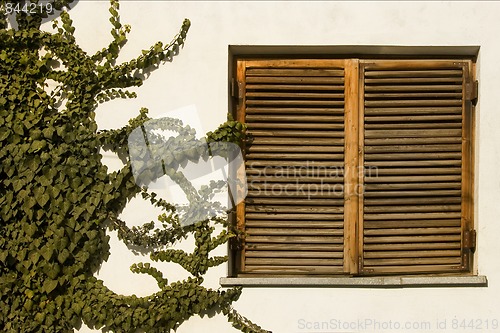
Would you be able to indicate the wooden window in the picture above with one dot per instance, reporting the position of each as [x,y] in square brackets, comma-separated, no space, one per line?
[356,166]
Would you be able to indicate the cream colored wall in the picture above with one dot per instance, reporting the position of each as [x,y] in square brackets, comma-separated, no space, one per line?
[198,76]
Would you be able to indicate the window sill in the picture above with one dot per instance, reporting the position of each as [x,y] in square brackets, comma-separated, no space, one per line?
[359,282]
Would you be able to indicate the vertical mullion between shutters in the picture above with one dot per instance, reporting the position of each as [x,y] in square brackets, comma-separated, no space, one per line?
[351,158]
[361,165]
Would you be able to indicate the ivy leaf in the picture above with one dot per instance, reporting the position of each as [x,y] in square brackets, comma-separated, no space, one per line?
[34,257]
[18,129]
[47,252]
[44,181]
[77,307]
[30,229]
[41,197]
[113,12]
[63,256]
[4,134]
[17,185]
[49,285]
[40,317]
[29,293]
[37,145]
[48,132]
[3,256]
[55,190]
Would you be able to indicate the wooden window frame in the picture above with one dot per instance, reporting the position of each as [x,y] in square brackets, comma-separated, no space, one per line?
[354,113]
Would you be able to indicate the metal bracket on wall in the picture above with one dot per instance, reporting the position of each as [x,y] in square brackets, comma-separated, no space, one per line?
[236,89]
[471,91]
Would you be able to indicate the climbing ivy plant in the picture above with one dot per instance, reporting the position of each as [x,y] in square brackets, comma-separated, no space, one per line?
[58,200]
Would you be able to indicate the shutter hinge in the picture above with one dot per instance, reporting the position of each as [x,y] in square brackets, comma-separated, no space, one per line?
[236,89]
[471,91]
[361,268]
[470,239]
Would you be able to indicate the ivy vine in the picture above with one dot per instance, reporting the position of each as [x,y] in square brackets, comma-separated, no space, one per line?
[58,200]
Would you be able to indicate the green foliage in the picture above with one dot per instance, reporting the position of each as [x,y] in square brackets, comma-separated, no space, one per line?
[230,131]
[57,199]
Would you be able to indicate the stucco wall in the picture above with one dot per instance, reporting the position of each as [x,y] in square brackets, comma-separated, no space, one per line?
[198,76]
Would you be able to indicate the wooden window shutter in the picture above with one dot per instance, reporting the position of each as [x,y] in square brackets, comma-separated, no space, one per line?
[293,217]
[417,162]
[356,167]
